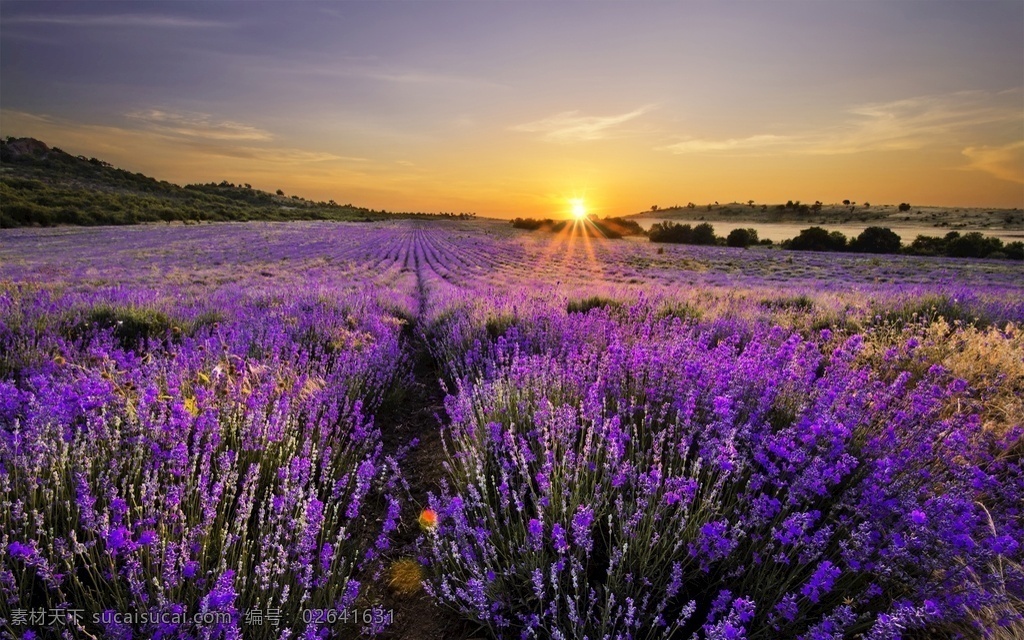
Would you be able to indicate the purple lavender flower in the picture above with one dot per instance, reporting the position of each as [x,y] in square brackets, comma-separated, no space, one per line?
[536,533]
[558,538]
[118,538]
[581,527]
[821,581]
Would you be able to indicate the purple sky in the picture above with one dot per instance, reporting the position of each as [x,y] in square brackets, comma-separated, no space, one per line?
[519,107]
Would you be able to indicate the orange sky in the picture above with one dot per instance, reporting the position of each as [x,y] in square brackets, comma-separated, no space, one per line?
[515,109]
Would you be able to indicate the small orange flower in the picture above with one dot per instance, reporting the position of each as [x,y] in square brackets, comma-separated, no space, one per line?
[428,519]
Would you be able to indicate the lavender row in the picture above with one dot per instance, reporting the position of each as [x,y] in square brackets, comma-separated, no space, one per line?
[166,455]
[620,472]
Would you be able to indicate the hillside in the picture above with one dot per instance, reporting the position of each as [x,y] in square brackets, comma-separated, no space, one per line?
[43,186]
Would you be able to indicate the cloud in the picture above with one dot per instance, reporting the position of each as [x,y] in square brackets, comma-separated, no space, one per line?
[1005,162]
[269,155]
[570,126]
[117,20]
[919,122]
[197,125]
[371,68]
[906,124]
[692,145]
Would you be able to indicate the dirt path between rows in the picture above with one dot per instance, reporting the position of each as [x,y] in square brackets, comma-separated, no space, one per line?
[411,431]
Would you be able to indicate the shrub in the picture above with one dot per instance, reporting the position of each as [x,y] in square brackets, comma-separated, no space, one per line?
[703,234]
[973,245]
[876,240]
[742,238]
[759,491]
[593,302]
[671,232]
[817,239]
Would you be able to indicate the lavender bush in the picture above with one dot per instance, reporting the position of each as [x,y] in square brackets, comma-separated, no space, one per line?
[616,475]
[222,467]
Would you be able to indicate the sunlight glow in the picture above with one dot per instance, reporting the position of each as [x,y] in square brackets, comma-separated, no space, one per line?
[579,208]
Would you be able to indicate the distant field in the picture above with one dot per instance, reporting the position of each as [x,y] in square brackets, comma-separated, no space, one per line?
[461,430]
[1005,224]
[971,218]
[779,231]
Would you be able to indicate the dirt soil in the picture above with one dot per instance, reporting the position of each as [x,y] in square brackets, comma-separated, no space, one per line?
[418,417]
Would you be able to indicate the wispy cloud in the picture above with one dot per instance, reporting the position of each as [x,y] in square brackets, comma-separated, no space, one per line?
[907,124]
[268,155]
[571,126]
[762,141]
[372,68]
[197,125]
[117,20]
[1005,162]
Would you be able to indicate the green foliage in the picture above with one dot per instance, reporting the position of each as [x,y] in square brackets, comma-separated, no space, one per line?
[970,245]
[792,303]
[593,302]
[973,245]
[132,326]
[742,238]
[817,239]
[496,326]
[928,309]
[670,232]
[622,226]
[702,234]
[876,240]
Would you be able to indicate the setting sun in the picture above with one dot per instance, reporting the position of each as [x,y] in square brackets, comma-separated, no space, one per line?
[579,209]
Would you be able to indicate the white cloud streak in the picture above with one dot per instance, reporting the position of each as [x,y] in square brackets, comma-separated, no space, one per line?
[197,125]
[571,126]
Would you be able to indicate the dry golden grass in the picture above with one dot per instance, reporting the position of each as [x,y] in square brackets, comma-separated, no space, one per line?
[991,361]
[405,577]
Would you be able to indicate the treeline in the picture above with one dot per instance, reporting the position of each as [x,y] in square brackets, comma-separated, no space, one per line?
[702,234]
[597,227]
[882,240]
[872,240]
[44,186]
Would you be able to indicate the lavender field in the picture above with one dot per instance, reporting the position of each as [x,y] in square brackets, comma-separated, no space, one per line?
[202,423]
